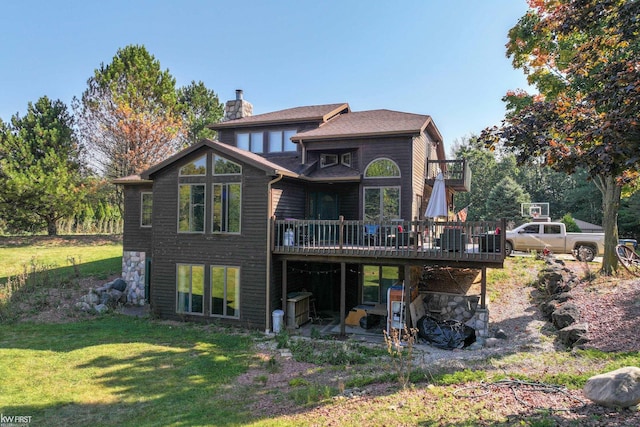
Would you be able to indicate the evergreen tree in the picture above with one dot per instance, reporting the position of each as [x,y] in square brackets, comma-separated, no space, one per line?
[505,199]
[200,107]
[40,168]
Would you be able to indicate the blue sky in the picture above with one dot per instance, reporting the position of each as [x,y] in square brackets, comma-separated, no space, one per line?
[442,58]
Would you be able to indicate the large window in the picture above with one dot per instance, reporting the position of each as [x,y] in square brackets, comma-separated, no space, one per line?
[190,289]
[281,141]
[191,208]
[146,206]
[225,291]
[381,203]
[226,207]
[250,141]
[376,282]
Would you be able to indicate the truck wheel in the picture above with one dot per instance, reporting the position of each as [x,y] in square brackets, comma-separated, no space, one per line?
[585,254]
[508,248]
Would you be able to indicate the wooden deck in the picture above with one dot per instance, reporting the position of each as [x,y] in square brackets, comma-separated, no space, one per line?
[473,244]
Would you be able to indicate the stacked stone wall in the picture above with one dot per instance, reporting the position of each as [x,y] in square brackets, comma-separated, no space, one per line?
[133,272]
[463,308]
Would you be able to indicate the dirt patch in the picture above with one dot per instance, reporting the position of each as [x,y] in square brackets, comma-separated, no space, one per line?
[610,307]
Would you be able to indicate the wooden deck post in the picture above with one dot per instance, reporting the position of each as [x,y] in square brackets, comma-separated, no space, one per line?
[407,294]
[284,285]
[343,294]
[483,288]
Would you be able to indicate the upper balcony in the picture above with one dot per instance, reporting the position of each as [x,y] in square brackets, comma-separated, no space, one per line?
[472,243]
[457,175]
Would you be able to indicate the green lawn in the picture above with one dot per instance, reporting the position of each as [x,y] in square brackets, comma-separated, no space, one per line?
[120,371]
[114,370]
[99,260]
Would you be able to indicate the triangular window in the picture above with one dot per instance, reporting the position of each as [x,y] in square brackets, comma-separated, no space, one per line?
[196,167]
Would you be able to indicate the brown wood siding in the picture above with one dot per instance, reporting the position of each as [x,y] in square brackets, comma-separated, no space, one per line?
[135,237]
[398,149]
[247,250]
[290,200]
[418,166]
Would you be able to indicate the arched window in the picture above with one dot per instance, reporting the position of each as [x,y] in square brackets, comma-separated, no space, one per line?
[382,168]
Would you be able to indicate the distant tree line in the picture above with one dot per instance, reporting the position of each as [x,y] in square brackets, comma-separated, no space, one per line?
[499,185]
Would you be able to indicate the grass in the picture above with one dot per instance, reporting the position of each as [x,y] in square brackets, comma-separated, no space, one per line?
[115,370]
[122,372]
[62,261]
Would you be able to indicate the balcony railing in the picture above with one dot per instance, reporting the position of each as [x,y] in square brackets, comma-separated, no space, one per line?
[457,174]
[474,241]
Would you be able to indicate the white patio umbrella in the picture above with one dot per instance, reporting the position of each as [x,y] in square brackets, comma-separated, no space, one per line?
[437,205]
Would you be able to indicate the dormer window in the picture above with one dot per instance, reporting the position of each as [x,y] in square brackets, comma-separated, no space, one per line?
[327,160]
[346,159]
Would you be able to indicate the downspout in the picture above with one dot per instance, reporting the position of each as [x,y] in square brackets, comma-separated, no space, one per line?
[304,152]
[268,280]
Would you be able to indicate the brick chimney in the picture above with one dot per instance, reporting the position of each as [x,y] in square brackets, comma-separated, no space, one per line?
[237,108]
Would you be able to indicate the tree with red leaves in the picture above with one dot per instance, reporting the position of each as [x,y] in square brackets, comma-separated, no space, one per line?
[583,57]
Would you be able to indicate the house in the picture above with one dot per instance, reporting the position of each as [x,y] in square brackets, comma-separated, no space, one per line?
[310,207]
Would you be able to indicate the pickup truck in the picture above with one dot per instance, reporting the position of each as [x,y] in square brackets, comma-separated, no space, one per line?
[536,236]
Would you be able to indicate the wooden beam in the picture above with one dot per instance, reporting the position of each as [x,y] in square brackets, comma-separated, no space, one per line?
[407,294]
[483,288]
[343,295]
[284,287]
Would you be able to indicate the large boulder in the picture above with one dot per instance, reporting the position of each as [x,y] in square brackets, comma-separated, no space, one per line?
[615,389]
[567,314]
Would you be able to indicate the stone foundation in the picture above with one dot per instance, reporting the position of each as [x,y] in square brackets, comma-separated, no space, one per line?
[133,272]
[463,308]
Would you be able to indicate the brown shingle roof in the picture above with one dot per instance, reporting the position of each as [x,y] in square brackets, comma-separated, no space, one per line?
[368,123]
[320,113]
[131,179]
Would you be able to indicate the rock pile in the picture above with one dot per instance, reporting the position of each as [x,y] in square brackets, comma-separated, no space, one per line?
[106,297]
[556,281]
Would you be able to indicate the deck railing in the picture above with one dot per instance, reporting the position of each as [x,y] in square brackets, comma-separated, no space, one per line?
[470,241]
[457,173]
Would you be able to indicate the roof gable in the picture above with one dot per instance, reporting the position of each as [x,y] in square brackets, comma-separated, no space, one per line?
[234,153]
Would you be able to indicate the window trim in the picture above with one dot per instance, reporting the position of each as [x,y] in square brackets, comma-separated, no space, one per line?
[225,299]
[345,159]
[180,174]
[213,167]
[142,210]
[204,206]
[213,208]
[177,307]
[324,157]
[383,176]
[381,201]
[251,147]
[284,141]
